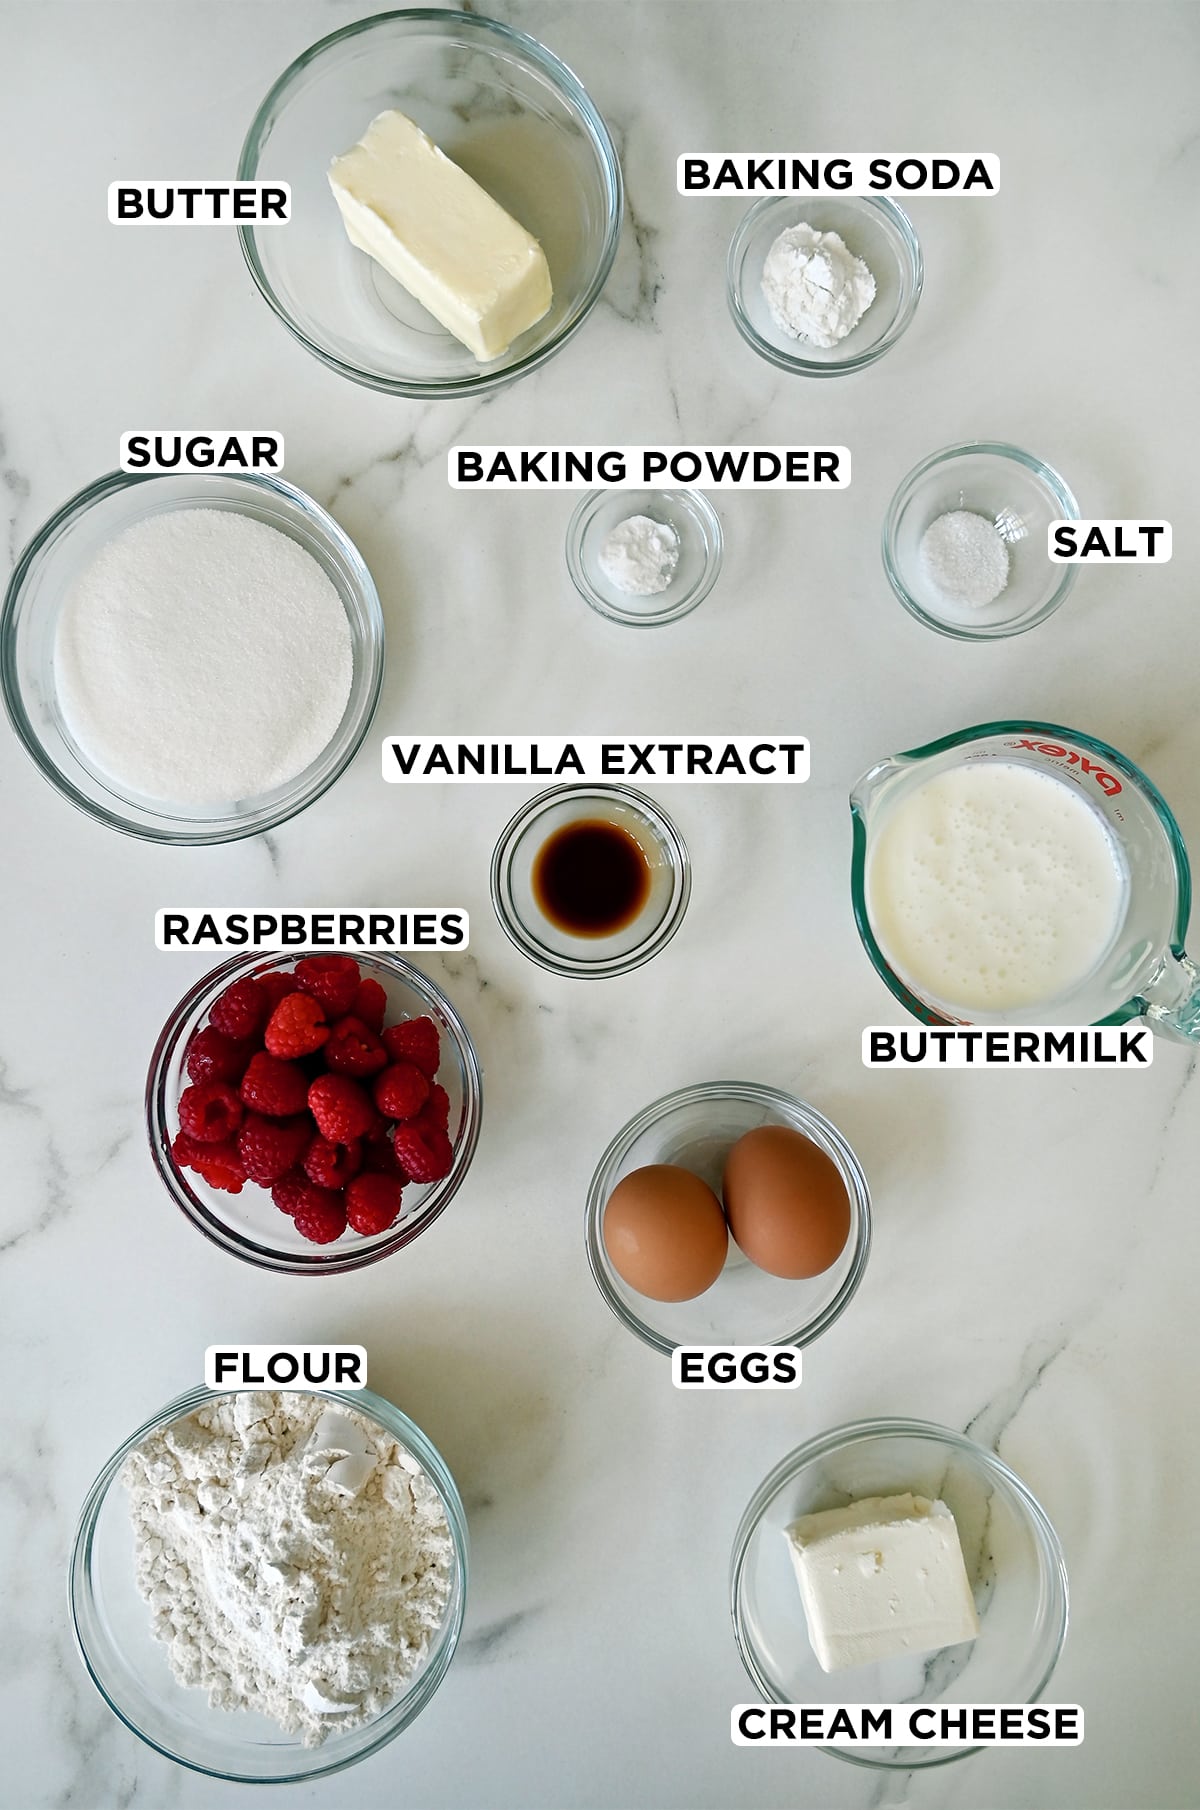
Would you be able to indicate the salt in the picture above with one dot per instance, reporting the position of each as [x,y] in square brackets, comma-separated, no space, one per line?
[203,658]
[964,558]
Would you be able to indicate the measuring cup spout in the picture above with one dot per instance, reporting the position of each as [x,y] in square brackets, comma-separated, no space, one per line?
[866,790]
[1173,998]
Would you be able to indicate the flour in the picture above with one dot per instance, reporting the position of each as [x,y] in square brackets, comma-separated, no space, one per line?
[203,658]
[297,1560]
[815,287]
[965,558]
[640,556]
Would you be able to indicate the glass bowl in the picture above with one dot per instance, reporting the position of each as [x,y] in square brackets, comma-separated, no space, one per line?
[44,577]
[745,1306]
[129,1667]
[590,957]
[1016,492]
[694,520]
[500,105]
[875,230]
[249,1225]
[1012,1555]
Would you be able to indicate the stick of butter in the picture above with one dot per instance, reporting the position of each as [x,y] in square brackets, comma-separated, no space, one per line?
[433,228]
[881,1577]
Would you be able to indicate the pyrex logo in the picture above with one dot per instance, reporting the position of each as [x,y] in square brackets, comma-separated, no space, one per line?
[1107,782]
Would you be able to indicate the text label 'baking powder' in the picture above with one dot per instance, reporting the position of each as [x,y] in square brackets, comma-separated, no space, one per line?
[649,467]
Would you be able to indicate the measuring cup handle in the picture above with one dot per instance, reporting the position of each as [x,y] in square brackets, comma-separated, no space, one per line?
[1173,999]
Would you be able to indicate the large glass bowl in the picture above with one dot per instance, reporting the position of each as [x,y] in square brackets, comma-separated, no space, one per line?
[44,577]
[503,108]
[696,1128]
[1012,1555]
[129,1666]
[249,1225]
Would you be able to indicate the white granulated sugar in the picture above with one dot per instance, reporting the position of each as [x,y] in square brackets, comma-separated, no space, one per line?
[964,558]
[814,286]
[640,556]
[202,658]
[296,1560]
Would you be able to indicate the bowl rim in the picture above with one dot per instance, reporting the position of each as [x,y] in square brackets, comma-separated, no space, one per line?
[571,967]
[398,1426]
[183,833]
[1045,474]
[326,1260]
[792,1109]
[711,532]
[796,363]
[857,1432]
[569,85]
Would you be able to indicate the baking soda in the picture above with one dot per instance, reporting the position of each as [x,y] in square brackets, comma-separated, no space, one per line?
[203,658]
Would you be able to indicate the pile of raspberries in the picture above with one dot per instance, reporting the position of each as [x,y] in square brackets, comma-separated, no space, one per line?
[299,1085]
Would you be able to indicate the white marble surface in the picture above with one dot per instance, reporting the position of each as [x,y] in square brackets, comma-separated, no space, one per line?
[1033,1276]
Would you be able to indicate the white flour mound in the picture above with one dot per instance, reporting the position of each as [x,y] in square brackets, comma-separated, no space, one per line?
[296,1560]
[202,658]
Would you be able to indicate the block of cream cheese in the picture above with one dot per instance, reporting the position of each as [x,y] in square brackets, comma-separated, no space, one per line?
[433,228]
[881,1577]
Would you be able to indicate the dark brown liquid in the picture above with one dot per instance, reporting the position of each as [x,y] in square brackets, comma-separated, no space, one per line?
[591,878]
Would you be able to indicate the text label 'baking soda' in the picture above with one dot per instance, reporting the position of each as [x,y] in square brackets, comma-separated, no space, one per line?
[737,759]
[198,203]
[232,449]
[396,927]
[907,1724]
[1028,1046]
[735,1367]
[285,1366]
[834,173]
[649,467]
[1073,543]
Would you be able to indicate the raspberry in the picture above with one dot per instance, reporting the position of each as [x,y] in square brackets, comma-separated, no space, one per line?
[241,1010]
[353,1049]
[275,1088]
[372,1203]
[415,1040]
[370,1005]
[322,1217]
[401,1090]
[220,1165]
[276,985]
[212,1056]
[209,1111]
[436,1110]
[379,1157]
[341,1108]
[427,1155]
[296,1027]
[331,1165]
[333,979]
[270,1147]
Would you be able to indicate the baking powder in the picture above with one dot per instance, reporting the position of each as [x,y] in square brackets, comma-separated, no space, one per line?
[640,556]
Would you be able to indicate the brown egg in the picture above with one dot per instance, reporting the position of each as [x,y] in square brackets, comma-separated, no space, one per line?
[665,1233]
[787,1206]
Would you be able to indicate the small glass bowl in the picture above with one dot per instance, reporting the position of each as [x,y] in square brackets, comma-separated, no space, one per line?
[694,520]
[43,580]
[249,1225]
[1016,492]
[1013,1560]
[501,106]
[696,1128]
[875,230]
[590,957]
[129,1667]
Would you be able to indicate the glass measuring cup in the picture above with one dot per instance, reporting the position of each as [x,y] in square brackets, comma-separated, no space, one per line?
[1144,972]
